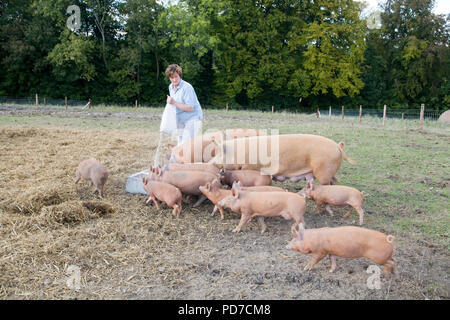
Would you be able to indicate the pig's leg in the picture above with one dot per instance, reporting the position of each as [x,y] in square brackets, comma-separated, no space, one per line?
[348,212]
[333,263]
[244,220]
[200,201]
[77,177]
[297,223]
[175,211]
[156,202]
[334,180]
[186,199]
[327,207]
[318,207]
[316,257]
[179,207]
[262,224]
[214,211]
[389,267]
[361,215]
[101,193]
[279,178]
[221,213]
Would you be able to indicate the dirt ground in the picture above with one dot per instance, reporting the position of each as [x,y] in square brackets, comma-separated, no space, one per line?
[132,251]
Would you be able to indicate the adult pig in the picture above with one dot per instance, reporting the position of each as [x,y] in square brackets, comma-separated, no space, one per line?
[202,149]
[289,156]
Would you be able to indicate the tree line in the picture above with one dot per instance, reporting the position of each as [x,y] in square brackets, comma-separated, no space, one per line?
[289,53]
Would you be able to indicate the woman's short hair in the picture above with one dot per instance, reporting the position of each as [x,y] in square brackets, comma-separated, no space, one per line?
[174,68]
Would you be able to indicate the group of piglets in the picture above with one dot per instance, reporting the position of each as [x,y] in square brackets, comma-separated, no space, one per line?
[252,195]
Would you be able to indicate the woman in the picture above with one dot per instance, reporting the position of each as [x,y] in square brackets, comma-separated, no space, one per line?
[189,111]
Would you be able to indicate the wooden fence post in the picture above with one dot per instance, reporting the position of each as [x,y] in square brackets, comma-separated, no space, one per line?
[318,113]
[342,112]
[37,102]
[422,109]
[135,104]
[360,113]
[329,113]
[384,114]
[226,107]
[45,101]
[65,100]
[89,103]
[403,115]
[272,109]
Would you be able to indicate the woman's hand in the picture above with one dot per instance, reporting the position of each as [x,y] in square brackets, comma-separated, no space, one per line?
[170,100]
[179,105]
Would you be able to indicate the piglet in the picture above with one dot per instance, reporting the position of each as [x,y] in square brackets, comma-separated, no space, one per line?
[215,193]
[346,242]
[335,195]
[265,204]
[94,172]
[246,177]
[164,192]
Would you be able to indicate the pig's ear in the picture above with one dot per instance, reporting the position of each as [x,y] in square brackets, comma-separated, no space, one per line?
[220,146]
[298,235]
[208,186]
[157,171]
[170,146]
[144,180]
[151,169]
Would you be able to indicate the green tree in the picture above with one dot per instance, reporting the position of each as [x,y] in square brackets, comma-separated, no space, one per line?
[416,43]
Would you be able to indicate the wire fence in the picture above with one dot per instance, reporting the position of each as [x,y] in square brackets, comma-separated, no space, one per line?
[411,114]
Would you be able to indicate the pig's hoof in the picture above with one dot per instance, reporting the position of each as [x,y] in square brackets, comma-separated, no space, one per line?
[235,230]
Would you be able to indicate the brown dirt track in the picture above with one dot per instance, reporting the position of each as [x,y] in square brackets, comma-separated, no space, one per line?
[127,250]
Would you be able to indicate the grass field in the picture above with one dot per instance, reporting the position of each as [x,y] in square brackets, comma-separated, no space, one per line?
[130,250]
